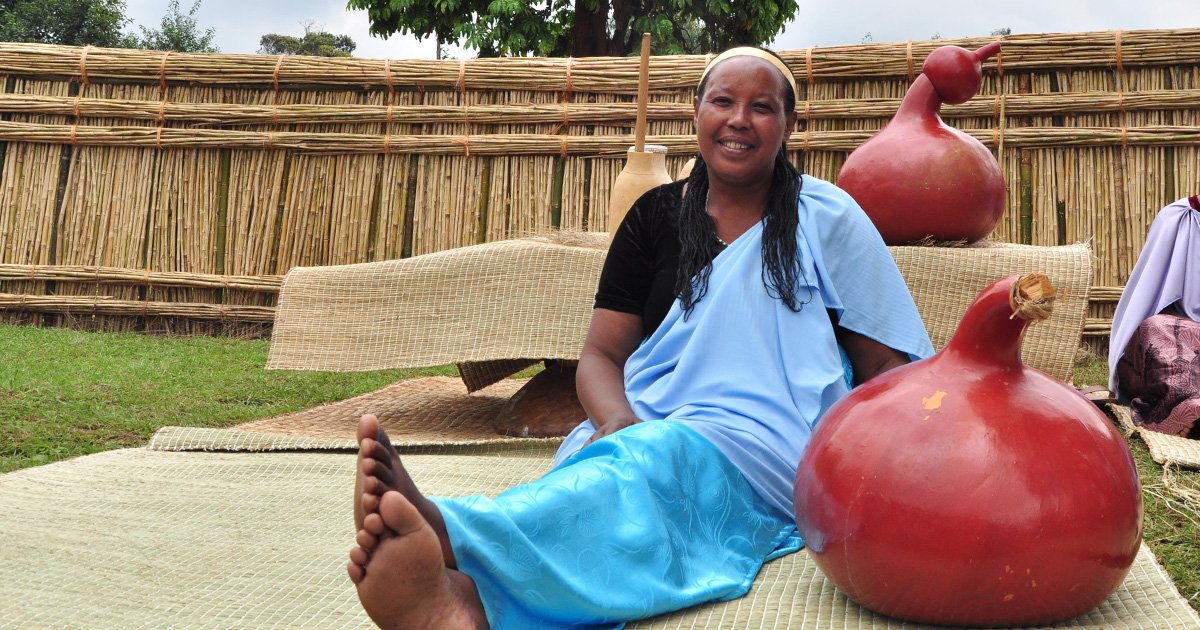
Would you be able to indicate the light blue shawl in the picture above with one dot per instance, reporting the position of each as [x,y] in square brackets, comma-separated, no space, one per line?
[751,375]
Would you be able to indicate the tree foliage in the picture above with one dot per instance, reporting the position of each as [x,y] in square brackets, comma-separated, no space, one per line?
[178,32]
[313,42]
[581,28]
[65,22]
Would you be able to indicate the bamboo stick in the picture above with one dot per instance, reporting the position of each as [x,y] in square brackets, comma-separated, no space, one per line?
[543,144]
[210,114]
[1104,294]
[643,95]
[602,74]
[104,305]
[257,284]
[137,277]
[1097,327]
[79,305]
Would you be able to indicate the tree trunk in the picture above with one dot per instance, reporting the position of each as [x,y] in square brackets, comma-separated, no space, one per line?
[591,29]
[623,40]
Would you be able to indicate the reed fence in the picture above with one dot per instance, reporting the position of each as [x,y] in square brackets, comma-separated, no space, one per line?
[166,191]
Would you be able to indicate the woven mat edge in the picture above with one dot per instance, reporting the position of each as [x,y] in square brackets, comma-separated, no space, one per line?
[182,439]
[1164,449]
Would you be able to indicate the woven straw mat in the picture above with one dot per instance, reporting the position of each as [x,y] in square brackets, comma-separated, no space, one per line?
[944,281]
[418,414]
[138,538]
[1164,448]
[516,299]
[532,299]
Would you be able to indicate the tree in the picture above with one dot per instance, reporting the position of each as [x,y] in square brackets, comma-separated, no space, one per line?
[314,42]
[178,32]
[1002,31]
[65,22]
[581,28]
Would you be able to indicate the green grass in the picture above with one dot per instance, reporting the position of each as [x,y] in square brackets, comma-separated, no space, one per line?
[1091,371]
[65,393]
[1171,528]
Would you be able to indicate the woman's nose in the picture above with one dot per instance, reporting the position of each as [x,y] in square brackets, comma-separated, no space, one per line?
[738,117]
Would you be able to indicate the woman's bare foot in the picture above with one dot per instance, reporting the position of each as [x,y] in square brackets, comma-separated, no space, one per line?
[402,580]
[379,471]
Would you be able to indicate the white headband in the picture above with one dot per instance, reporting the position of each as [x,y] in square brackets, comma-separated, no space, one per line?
[748,51]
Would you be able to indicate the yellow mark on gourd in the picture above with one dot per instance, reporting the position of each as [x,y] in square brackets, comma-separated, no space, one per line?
[1009,597]
[934,401]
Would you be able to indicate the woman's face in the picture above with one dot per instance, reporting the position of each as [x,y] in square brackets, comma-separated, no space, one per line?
[740,120]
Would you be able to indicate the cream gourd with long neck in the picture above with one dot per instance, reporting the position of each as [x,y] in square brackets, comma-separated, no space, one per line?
[920,179]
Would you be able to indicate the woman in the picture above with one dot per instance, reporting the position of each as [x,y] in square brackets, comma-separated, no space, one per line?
[727,309]
[1154,349]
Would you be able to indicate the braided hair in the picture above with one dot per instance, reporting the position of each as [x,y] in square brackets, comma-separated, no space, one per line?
[781,266]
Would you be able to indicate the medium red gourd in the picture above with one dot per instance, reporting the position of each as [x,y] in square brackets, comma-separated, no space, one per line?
[918,178]
[969,489]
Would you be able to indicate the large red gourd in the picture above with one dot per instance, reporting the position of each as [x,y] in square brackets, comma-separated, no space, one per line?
[920,179]
[969,489]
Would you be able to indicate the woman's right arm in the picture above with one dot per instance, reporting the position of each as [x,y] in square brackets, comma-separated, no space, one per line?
[600,377]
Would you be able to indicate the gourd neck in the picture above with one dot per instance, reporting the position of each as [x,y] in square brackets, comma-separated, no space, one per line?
[992,327]
[921,102]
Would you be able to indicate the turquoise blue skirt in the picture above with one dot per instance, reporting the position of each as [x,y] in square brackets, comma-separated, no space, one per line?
[648,520]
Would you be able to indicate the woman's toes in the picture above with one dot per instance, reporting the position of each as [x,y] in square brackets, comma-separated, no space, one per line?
[399,515]
[359,556]
[356,572]
[366,539]
[368,426]
[374,524]
[369,501]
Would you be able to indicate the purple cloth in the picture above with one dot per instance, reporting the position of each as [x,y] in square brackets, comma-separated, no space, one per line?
[1167,273]
[1160,374]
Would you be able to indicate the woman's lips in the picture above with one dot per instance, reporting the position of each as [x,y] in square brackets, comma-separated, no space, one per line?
[735,145]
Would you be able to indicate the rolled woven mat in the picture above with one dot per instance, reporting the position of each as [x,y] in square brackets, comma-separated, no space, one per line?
[517,299]
[417,413]
[531,299]
[1164,448]
[142,538]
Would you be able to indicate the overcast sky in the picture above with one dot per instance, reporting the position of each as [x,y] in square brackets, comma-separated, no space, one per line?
[240,23]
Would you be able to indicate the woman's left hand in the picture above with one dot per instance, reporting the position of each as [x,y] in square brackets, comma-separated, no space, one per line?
[612,427]
[600,380]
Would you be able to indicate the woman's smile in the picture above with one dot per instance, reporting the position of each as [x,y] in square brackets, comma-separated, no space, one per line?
[735,145]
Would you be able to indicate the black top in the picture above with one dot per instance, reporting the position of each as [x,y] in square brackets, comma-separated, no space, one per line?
[643,259]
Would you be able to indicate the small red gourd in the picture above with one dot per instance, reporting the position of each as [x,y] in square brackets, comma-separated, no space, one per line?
[969,489]
[918,178]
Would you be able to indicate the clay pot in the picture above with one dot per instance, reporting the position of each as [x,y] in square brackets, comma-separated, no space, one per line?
[643,171]
[546,406]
